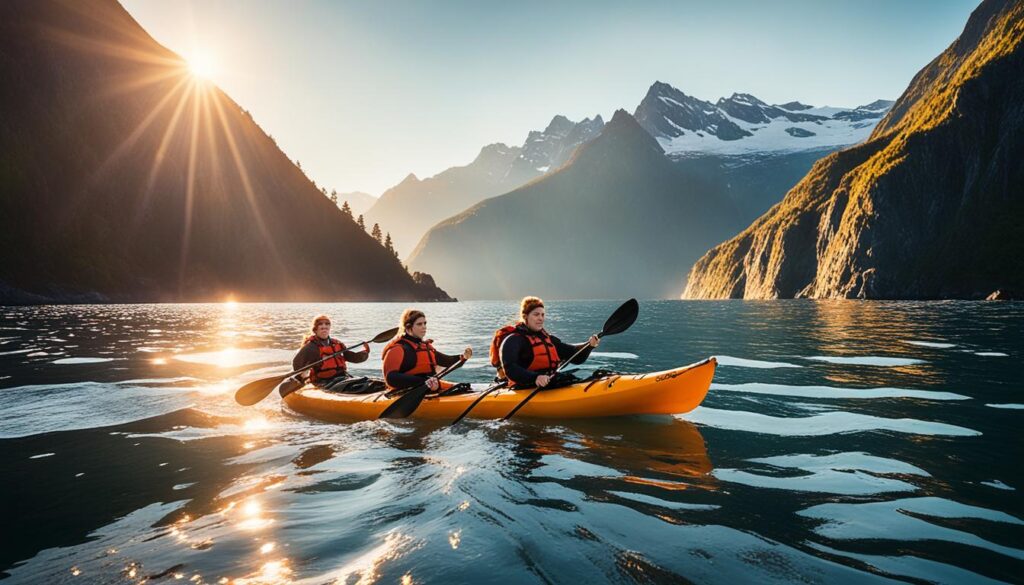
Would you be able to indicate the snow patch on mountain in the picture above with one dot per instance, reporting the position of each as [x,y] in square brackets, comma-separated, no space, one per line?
[742,124]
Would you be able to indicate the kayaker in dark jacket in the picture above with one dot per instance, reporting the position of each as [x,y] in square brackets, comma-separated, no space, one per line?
[410,360]
[320,345]
[529,354]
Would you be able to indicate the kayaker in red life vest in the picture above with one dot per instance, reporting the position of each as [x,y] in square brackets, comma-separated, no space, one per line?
[320,345]
[528,354]
[411,360]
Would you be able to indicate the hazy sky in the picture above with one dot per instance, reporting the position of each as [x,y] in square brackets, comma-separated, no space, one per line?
[363,93]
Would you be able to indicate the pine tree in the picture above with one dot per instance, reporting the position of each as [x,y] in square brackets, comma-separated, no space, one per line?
[375,232]
[362,224]
[298,164]
[334,196]
[346,209]
[390,247]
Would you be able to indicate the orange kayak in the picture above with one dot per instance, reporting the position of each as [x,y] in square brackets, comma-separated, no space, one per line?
[667,392]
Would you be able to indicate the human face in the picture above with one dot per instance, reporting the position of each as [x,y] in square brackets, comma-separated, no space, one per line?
[419,328]
[323,329]
[535,319]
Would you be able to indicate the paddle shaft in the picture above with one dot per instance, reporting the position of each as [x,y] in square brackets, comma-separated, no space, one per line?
[329,356]
[539,388]
[438,375]
[257,390]
[324,359]
[486,392]
[410,400]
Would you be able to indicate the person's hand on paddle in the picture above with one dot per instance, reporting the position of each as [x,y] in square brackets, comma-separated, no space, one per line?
[366,347]
[594,341]
[466,354]
[433,384]
[543,380]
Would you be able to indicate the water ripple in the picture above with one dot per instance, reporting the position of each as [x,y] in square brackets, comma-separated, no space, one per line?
[828,423]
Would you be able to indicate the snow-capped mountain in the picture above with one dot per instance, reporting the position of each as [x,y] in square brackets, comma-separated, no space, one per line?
[667,113]
[742,124]
[547,150]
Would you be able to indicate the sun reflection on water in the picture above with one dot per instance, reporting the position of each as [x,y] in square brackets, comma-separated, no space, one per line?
[257,425]
[270,573]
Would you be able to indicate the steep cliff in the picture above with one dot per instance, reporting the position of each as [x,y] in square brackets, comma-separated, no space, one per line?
[929,207]
[125,177]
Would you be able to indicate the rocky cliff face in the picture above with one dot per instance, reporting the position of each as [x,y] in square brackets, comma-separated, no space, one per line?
[929,207]
[123,177]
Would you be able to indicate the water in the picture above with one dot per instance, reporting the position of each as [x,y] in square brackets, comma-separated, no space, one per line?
[842,442]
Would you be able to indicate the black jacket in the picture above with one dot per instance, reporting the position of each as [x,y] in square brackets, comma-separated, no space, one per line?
[516,356]
[310,352]
[398,379]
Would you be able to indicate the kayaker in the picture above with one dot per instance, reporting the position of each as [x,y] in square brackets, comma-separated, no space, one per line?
[410,360]
[527,354]
[320,345]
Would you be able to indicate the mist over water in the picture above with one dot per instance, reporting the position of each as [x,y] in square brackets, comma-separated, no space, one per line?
[840,442]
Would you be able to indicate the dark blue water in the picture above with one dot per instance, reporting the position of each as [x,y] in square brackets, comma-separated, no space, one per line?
[842,442]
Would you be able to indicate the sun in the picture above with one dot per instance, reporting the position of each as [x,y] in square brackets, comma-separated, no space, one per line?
[201,65]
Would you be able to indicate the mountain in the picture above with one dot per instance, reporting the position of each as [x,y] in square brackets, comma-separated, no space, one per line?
[358,201]
[754,182]
[408,209]
[751,151]
[743,125]
[617,220]
[929,207]
[125,178]
[550,149]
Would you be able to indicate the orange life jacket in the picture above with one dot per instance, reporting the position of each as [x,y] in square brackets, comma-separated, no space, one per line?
[332,366]
[426,356]
[545,354]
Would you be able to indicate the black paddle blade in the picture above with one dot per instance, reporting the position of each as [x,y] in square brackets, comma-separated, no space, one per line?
[385,335]
[257,390]
[406,404]
[411,400]
[622,319]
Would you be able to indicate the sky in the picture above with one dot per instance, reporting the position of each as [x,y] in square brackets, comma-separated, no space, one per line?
[363,93]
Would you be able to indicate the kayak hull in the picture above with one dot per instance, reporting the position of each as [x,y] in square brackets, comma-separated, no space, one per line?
[672,391]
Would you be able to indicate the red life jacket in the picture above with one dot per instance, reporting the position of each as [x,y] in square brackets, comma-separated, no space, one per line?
[426,356]
[332,366]
[545,354]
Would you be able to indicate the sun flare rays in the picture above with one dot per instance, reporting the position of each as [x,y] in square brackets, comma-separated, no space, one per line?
[180,128]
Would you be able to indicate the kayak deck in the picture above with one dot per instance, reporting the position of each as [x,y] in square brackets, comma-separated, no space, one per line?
[672,391]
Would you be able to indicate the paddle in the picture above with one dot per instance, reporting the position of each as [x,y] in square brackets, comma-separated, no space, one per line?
[257,390]
[620,320]
[497,386]
[408,403]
